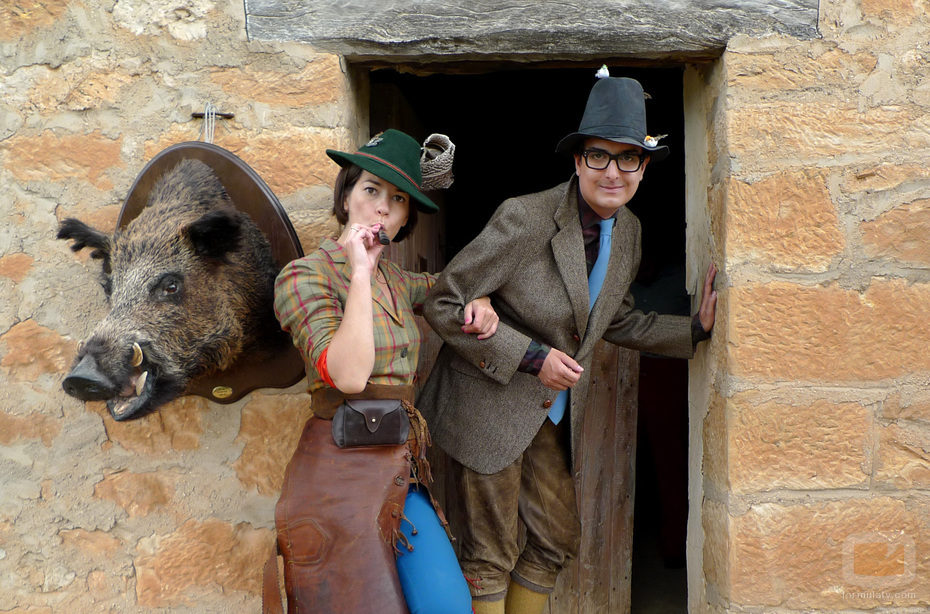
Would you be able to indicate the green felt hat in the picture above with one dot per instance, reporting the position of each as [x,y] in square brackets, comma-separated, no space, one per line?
[392,156]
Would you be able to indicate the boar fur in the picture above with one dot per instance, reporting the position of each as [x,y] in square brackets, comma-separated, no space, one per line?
[189,283]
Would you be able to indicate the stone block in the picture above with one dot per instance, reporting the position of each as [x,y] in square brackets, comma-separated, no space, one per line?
[715,521]
[910,403]
[286,160]
[787,220]
[29,426]
[187,22]
[833,555]
[91,544]
[812,446]
[897,12]
[715,443]
[177,426]
[774,73]
[900,234]
[784,331]
[903,459]
[270,428]
[23,17]
[58,158]
[138,494]
[320,81]
[200,559]
[33,350]
[882,178]
[78,88]
[312,226]
[103,586]
[16,266]
[773,134]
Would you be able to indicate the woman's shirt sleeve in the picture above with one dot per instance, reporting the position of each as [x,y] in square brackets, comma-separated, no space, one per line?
[418,286]
[308,304]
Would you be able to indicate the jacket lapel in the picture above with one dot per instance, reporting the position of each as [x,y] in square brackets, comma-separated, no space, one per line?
[569,258]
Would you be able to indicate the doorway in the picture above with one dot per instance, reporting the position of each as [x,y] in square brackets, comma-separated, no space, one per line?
[505,122]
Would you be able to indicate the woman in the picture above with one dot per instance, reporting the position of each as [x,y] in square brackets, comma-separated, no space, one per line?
[350,313]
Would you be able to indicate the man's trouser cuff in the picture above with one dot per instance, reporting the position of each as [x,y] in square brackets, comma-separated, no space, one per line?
[533,586]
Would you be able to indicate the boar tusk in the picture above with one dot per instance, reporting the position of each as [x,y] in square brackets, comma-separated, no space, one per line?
[140,383]
[136,355]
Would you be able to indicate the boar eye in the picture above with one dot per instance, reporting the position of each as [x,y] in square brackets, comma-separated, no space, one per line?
[168,287]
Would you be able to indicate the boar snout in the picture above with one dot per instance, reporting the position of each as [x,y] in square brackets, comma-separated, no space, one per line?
[87,382]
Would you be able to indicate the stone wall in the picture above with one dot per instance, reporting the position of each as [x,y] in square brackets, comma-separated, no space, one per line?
[810,407]
[173,512]
[816,430]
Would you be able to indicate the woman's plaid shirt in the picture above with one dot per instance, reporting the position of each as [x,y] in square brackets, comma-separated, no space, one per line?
[309,297]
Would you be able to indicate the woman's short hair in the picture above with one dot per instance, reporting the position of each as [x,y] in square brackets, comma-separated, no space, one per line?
[345,181]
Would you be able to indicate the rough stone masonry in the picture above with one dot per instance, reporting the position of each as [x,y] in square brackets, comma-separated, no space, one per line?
[810,410]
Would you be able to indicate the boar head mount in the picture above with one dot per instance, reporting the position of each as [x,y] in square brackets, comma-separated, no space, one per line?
[189,277]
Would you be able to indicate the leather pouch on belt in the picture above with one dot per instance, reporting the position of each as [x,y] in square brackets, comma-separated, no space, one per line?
[370,422]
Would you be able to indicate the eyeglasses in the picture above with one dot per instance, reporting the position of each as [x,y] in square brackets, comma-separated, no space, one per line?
[628,161]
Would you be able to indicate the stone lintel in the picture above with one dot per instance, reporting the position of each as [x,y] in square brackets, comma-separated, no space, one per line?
[496,29]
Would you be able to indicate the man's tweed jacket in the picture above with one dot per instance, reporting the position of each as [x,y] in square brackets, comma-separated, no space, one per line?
[530,260]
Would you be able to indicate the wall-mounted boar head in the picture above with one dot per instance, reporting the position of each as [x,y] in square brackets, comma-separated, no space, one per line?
[189,283]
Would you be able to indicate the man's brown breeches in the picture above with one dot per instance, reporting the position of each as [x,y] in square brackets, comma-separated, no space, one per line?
[538,489]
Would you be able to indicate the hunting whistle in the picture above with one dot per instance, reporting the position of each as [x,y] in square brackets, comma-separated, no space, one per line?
[383,239]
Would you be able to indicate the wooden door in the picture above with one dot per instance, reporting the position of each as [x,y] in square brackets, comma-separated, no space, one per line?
[598,582]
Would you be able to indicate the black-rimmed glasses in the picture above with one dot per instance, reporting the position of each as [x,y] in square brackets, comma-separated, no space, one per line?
[628,161]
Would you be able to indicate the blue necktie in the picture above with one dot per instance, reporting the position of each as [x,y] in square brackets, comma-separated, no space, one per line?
[595,281]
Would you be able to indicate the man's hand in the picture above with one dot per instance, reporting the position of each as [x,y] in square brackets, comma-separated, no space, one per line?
[480,318]
[708,312]
[559,371]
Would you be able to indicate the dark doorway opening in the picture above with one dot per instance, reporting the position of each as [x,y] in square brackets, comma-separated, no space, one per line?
[506,123]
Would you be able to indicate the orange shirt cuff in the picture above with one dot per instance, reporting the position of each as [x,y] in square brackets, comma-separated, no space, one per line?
[323,370]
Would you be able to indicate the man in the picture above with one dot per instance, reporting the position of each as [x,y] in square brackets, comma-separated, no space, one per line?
[508,409]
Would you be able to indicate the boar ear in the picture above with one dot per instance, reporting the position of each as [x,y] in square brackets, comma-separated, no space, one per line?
[85,236]
[215,234]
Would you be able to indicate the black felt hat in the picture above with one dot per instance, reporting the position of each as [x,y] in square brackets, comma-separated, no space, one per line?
[616,111]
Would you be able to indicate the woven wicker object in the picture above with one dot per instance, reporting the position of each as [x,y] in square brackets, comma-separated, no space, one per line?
[436,162]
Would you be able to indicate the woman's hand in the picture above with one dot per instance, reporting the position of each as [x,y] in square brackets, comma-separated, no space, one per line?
[363,248]
[480,318]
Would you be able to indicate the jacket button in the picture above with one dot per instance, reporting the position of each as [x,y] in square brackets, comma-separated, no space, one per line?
[481,364]
[399,480]
[547,404]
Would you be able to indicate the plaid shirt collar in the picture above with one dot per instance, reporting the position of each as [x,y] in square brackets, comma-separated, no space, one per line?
[336,251]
